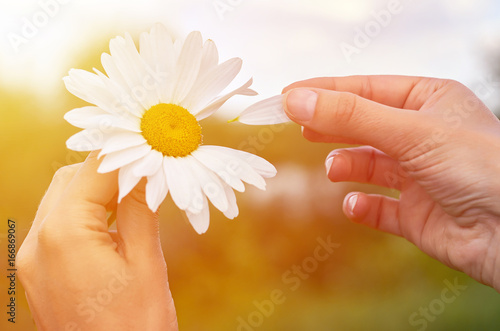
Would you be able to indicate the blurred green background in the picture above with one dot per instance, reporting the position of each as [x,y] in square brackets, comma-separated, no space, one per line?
[371,281]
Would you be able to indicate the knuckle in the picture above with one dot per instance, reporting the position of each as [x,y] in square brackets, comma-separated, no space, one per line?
[372,164]
[23,259]
[453,83]
[345,106]
[66,172]
[138,193]
[50,237]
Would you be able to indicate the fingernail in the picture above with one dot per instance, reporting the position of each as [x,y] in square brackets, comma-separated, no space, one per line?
[301,104]
[351,203]
[328,164]
[342,167]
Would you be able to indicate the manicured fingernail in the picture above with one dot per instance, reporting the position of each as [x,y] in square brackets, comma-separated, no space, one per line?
[328,164]
[351,203]
[338,168]
[301,104]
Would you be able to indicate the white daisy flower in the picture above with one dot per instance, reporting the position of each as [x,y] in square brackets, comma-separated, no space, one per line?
[146,122]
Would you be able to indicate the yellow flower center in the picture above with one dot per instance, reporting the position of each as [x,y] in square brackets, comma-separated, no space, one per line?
[171,130]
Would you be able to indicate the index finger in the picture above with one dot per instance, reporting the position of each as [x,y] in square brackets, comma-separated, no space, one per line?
[404,92]
[85,198]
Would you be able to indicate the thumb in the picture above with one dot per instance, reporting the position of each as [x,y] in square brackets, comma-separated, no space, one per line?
[351,117]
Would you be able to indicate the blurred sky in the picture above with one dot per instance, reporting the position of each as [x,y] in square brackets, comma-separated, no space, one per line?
[280,41]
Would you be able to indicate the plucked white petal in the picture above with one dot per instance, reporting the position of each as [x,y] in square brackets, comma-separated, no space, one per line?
[149,165]
[213,82]
[210,184]
[80,117]
[120,141]
[268,111]
[183,186]
[235,165]
[188,66]
[126,181]
[200,221]
[119,159]
[156,189]
[86,140]
[232,210]
[217,103]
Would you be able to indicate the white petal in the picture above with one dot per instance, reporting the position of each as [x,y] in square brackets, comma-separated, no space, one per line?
[119,159]
[210,184]
[109,65]
[200,221]
[213,82]
[215,105]
[209,60]
[146,48]
[232,211]
[80,117]
[108,123]
[149,165]
[183,186]
[219,167]
[89,87]
[235,165]
[133,70]
[124,104]
[158,52]
[262,166]
[210,57]
[156,189]
[178,47]
[188,66]
[120,141]
[123,56]
[268,111]
[99,90]
[112,122]
[86,140]
[126,181]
